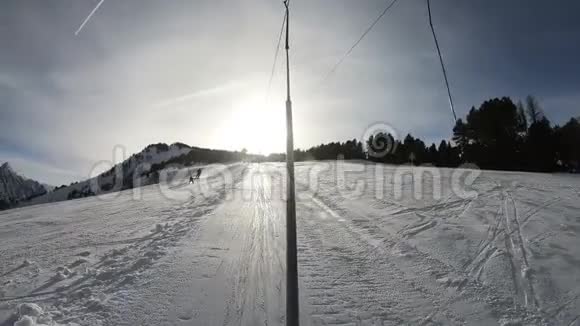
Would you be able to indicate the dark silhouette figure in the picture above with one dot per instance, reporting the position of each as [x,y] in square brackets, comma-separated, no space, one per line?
[197,175]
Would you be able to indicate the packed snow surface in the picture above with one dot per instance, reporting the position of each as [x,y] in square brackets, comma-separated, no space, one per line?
[377,245]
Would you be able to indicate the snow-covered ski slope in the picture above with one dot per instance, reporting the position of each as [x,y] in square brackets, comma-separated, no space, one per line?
[374,249]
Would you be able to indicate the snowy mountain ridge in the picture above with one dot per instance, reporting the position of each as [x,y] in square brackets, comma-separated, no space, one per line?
[15,188]
[121,176]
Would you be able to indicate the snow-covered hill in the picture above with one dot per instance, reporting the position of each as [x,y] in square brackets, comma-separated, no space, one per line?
[15,188]
[370,251]
[125,175]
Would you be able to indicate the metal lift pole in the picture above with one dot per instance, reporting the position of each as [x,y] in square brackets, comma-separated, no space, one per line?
[292,302]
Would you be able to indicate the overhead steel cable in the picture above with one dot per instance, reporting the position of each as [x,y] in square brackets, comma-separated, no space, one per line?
[441,61]
[276,56]
[347,53]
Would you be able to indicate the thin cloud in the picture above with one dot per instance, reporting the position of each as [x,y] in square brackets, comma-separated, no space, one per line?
[40,171]
[198,94]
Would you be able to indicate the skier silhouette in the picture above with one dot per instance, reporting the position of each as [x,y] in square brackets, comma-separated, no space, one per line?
[197,175]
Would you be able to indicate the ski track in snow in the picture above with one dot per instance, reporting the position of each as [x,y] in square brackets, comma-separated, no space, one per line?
[506,257]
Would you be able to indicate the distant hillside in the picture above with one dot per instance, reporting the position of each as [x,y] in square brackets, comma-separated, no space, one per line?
[139,170]
[207,156]
[15,188]
[121,176]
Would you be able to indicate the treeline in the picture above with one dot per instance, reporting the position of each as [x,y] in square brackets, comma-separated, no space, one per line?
[508,136]
[6,203]
[349,150]
[387,149]
[199,155]
[500,134]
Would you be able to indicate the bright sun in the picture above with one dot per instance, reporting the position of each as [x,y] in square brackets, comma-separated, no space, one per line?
[256,126]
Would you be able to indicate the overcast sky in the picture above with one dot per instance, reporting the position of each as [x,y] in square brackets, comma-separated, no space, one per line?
[196,71]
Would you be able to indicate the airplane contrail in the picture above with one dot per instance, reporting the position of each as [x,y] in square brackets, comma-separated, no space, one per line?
[201,93]
[89,17]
